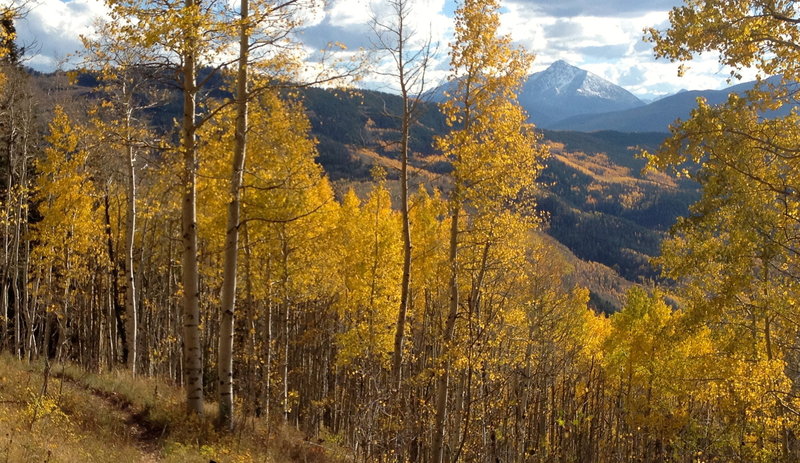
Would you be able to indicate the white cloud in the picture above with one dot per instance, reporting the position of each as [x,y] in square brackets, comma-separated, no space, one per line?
[602,37]
[604,8]
[344,13]
[51,30]
[611,47]
[349,22]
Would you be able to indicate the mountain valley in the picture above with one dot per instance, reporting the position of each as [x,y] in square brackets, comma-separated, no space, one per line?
[607,214]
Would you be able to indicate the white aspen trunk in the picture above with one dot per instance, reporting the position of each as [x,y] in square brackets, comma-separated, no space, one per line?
[21,288]
[225,362]
[192,350]
[268,344]
[131,320]
[286,318]
[4,286]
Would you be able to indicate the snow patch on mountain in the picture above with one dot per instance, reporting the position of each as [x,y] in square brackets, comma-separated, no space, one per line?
[563,91]
[557,78]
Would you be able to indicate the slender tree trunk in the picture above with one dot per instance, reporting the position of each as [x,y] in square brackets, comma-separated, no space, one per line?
[442,382]
[268,347]
[8,262]
[286,319]
[405,286]
[130,236]
[252,327]
[114,277]
[4,316]
[31,307]
[225,363]
[192,350]
[394,39]
[4,331]
[21,220]
[16,287]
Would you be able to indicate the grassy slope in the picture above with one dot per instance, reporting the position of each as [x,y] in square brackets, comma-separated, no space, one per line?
[112,417]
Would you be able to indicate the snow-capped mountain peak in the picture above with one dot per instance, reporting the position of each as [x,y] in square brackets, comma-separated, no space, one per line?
[563,90]
[561,78]
[558,77]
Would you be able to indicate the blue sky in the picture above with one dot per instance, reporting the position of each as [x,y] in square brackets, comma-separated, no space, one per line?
[603,36]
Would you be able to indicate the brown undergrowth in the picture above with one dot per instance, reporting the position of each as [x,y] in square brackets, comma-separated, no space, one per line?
[68,415]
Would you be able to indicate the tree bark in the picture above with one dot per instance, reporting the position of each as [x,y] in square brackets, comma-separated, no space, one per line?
[4,331]
[192,350]
[114,277]
[442,382]
[130,235]
[405,286]
[225,363]
[20,234]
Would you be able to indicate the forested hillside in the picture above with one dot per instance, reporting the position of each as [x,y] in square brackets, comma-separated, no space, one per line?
[168,218]
[592,192]
[596,199]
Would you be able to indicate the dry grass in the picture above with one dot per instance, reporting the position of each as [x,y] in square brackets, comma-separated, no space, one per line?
[113,417]
[602,170]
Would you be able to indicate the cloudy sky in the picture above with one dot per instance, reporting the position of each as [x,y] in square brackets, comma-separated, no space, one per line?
[603,36]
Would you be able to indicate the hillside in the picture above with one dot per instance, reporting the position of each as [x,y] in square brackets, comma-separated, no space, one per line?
[597,201]
[608,212]
[193,274]
[594,196]
[70,415]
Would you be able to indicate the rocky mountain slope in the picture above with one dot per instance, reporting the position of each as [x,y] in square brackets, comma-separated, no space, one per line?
[563,91]
[565,97]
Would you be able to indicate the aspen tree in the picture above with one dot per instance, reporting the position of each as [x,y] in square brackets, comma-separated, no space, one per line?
[283,195]
[67,232]
[265,30]
[368,294]
[15,119]
[18,135]
[193,360]
[410,57]
[127,94]
[495,153]
[225,361]
[735,257]
[188,32]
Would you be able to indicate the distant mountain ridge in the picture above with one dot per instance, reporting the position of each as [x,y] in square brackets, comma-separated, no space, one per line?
[656,116]
[598,202]
[562,91]
[565,97]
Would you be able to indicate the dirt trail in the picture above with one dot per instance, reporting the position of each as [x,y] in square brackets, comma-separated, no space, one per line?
[142,433]
[145,434]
